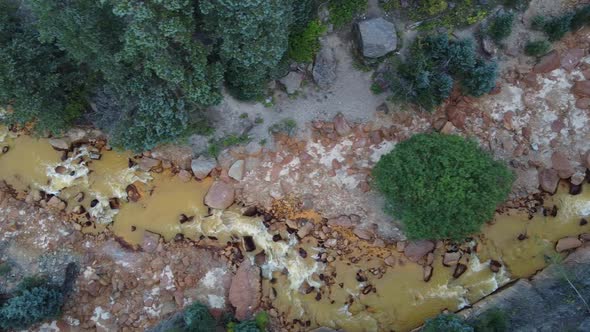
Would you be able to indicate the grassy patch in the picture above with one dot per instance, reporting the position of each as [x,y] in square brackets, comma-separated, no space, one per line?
[287,126]
[537,48]
[304,46]
[343,11]
[216,146]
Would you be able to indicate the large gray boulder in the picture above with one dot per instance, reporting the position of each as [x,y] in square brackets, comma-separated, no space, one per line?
[324,68]
[376,37]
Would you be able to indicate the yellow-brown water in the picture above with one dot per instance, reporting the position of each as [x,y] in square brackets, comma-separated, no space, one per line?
[402,300]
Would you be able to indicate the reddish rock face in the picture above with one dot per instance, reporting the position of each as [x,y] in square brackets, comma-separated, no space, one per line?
[548,63]
[220,195]
[582,88]
[562,165]
[568,243]
[418,249]
[571,58]
[548,179]
[341,125]
[245,290]
[583,103]
[456,117]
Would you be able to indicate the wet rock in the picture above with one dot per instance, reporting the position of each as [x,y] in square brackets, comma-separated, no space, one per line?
[578,178]
[133,194]
[236,171]
[5,149]
[324,69]
[342,221]
[549,179]
[249,244]
[220,195]
[245,290]
[568,243]
[292,82]
[184,175]
[451,258]
[150,242]
[56,203]
[495,266]
[302,253]
[341,125]
[427,273]
[79,209]
[575,189]
[459,270]
[585,237]
[363,233]
[61,144]
[179,155]
[582,88]
[418,249]
[202,166]
[547,63]
[77,135]
[390,260]
[376,37]
[146,164]
[183,218]
[61,169]
[305,230]
[331,243]
[571,58]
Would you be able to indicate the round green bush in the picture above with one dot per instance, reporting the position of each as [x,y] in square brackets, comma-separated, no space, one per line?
[198,319]
[441,186]
[31,307]
[446,323]
[537,48]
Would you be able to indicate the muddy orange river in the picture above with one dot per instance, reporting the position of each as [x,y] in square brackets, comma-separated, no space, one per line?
[401,300]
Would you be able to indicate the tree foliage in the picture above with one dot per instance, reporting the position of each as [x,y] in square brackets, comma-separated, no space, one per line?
[537,48]
[34,301]
[441,186]
[435,63]
[555,27]
[500,27]
[343,11]
[252,37]
[304,46]
[198,319]
[41,83]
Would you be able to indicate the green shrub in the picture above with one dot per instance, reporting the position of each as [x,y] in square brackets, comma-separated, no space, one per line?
[500,27]
[215,146]
[491,321]
[31,306]
[441,186]
[434,14]
[537,48]
[446,323]
[427,77]
[37,79]
[304,46]
[258,324]
[198,319]
[581,17]
[433,7]
[481,79]
[343,11]
[555,27]
[252,39]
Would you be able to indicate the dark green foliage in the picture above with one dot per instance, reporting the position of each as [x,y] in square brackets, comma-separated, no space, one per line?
[37,79]
[446,323]
[434,14]
[557,27]
[303,14]
[252,36]
[304,46]
[258,324]
[581,18]
[481,79]
[34,301]
[441,186]
[427,78]
[198,319]
[153,71]
[343,11]
[537,48]
[491,321]
[500,27]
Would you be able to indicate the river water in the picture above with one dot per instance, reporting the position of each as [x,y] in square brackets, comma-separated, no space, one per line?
[395,298]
